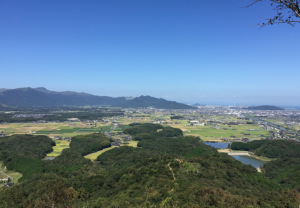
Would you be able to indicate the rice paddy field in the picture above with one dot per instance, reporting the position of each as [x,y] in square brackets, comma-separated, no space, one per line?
[54,129]
[207,133]
[93,156]
[60,146]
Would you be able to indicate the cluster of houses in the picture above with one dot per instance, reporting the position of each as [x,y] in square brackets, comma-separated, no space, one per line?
[68,139]
[2,134]
[196,123]
[237,140]
[29,115]
[117,142]
[8,182]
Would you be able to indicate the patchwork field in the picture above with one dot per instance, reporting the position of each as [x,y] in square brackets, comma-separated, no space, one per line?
[53,129]
[207,133]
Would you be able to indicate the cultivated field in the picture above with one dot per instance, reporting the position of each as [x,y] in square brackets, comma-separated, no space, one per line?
[54,129]
[60,145]
[207,133]
[93,156]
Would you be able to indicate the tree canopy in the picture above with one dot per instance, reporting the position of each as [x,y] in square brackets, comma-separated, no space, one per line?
[287,11]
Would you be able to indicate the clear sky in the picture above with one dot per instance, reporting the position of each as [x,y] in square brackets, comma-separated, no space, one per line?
[184,50]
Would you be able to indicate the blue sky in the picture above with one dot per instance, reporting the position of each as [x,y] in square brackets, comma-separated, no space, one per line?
[183,50]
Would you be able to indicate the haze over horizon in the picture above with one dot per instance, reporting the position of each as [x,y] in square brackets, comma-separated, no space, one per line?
[185,51]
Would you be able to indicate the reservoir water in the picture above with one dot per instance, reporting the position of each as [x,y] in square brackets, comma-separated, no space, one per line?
[217,145]
[49,158]
[242,158]
[249,160]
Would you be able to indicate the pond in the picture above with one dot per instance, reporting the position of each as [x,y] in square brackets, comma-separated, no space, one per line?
[217,145]
[49,158]
[249,160]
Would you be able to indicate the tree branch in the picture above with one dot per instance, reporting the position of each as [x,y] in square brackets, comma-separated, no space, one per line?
[291,7]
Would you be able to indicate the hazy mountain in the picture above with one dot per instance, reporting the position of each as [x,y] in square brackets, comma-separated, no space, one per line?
[42,97]
[2,89]
[197,104]
[147,101]
[265,107]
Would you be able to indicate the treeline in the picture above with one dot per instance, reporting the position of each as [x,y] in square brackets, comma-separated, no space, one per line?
[61,117]
[170,170]
[23,153]
[138,128]
[124,157]
[285,170]
[270,148]
[86,144]
[176,117]
[25,145]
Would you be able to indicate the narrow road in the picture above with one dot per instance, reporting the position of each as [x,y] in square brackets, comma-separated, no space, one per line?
[7,176]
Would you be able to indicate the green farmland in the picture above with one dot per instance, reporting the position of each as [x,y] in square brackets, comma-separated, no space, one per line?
[69,131]
[238,131]
[60,145]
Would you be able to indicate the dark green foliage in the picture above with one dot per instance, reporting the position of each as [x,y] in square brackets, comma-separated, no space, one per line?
[26,166]
[143,136]
[67,163]
[198,151]
[40,191]
[270,148]
[176,117]
[169,132]
[123,157]
[248,146]
[285,169]
[86,144]
[175,146]
[168,171]
[24,145]
[142,128]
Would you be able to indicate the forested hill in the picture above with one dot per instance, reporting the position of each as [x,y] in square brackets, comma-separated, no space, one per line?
[285,169]
[265,107]
[169,170]
[43,97]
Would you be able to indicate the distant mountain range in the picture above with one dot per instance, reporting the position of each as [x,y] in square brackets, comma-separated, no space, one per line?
[265,107]
[197,104]
[27,97]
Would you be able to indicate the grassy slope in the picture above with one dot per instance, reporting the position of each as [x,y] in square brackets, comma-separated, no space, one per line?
[94,155]
[60,145]
[13,174]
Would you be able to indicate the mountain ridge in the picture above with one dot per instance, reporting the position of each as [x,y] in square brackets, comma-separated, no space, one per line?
[25,97]
[264,107]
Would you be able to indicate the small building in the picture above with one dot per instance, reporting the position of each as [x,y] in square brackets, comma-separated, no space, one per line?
[9,184]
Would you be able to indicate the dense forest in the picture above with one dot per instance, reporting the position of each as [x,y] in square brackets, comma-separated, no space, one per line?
[166,170]
[285,170]
[24,145]
[86,144]
[270,148]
